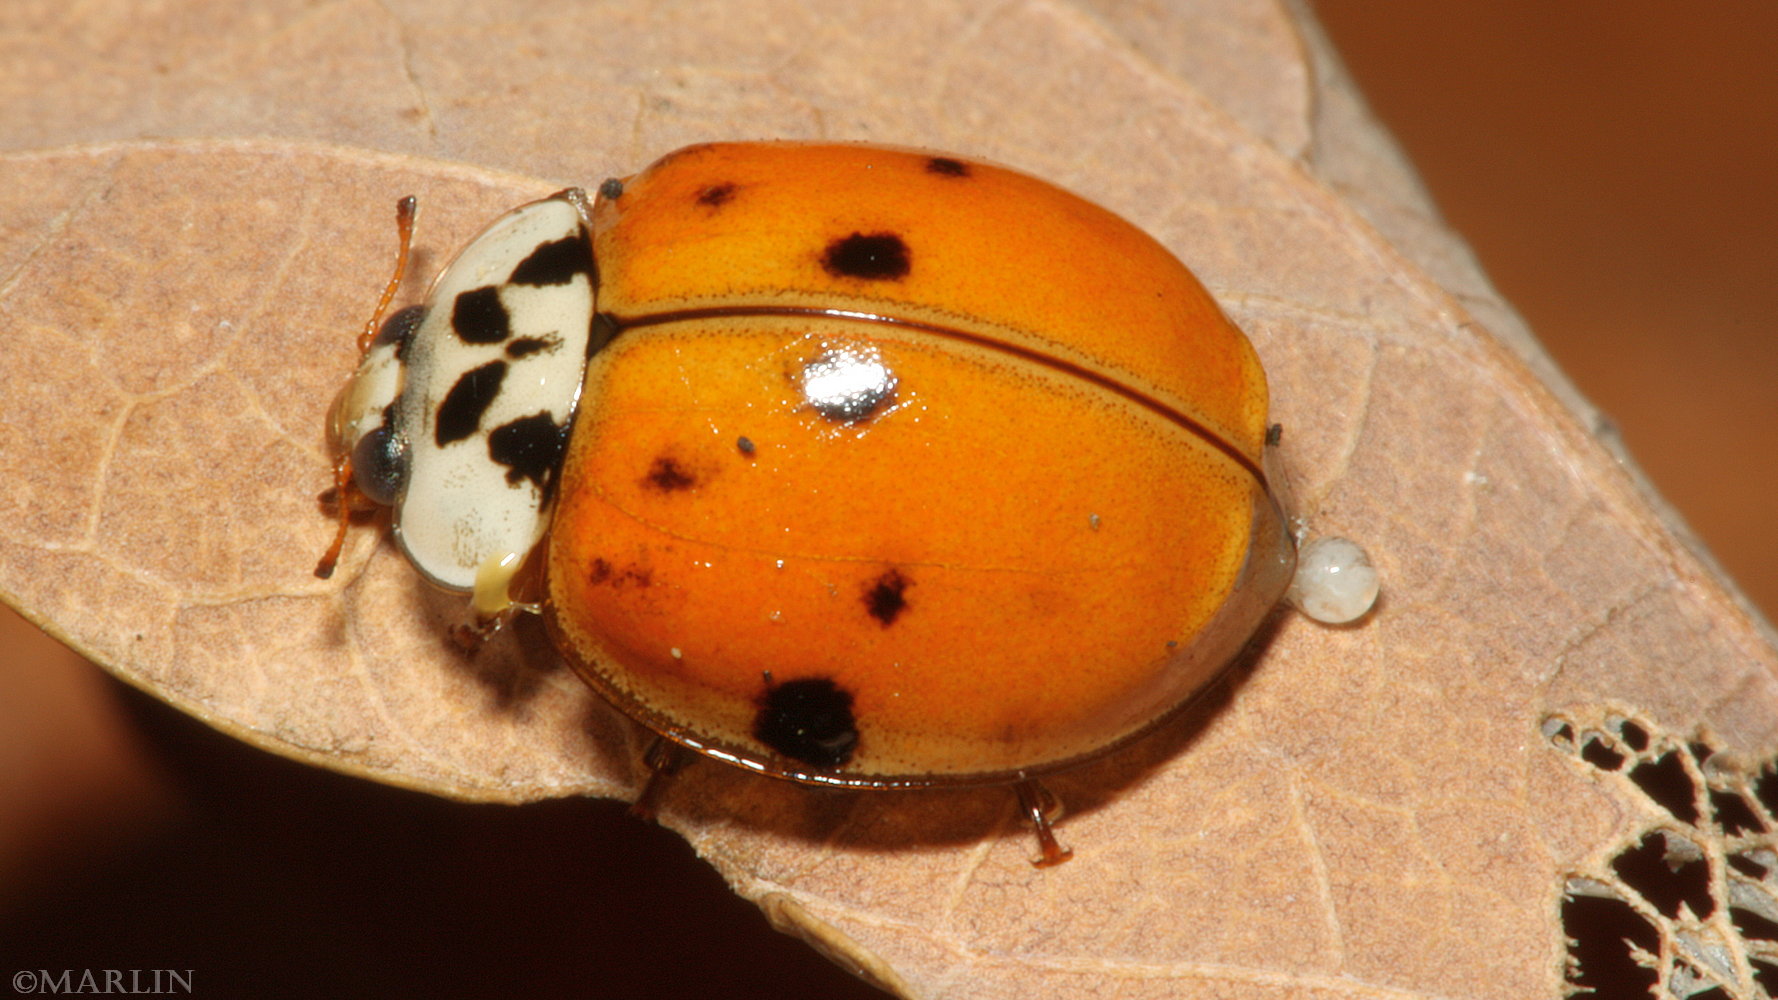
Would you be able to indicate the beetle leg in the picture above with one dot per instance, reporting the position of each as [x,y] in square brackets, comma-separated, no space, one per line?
[1040,805]
[664,759]
[501,584]
[345,491]
[345,497]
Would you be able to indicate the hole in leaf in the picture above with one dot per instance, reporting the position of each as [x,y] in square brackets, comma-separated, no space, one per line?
[1665,781]
[1635,737]
[1733,813]
[1596,753]
[1600,932]
[1753,926]
[1766,975]
[1557,731]
[1747,866]
[1666,880]
[1685,982]
[1765,788]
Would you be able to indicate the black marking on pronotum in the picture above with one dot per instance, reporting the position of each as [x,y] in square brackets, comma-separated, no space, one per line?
[868,256]
[461,412]
[555,263]
[530,448]
[520,347]
[717,195]
[479,317]
[809,720]
[945,166]
[885,599]
[668,476]
[620,324]
[399,329]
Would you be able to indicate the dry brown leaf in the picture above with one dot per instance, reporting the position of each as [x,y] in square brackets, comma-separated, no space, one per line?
[193,229]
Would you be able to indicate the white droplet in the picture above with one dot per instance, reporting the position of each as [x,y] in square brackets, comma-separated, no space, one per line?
[676,654]
[1335,582]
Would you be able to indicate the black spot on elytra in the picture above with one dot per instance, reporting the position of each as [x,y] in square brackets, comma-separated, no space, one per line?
[809,720]
[746,446]
[530,448]
[945,166]
[555,263]
[399,329]
[886,598]
[869,256]
[668,476]
[716,195]
[611,189]
[603,572]
[479,317]
[522,346]
[461,412]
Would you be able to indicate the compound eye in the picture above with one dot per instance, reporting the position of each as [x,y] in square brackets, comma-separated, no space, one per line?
[379,465]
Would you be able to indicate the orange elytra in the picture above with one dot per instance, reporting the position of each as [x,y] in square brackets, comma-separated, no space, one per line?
[887,469]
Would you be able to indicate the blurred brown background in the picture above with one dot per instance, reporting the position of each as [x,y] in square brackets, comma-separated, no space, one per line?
[1613,165]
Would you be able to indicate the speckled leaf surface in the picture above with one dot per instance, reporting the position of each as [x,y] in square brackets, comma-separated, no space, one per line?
[197,216]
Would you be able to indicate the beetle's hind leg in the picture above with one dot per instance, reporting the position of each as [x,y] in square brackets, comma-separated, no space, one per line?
[1042,808]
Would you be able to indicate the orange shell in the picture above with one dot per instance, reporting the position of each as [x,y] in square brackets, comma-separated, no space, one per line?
[902,469]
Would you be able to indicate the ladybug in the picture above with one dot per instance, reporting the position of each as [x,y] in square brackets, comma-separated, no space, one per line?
[850,465]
